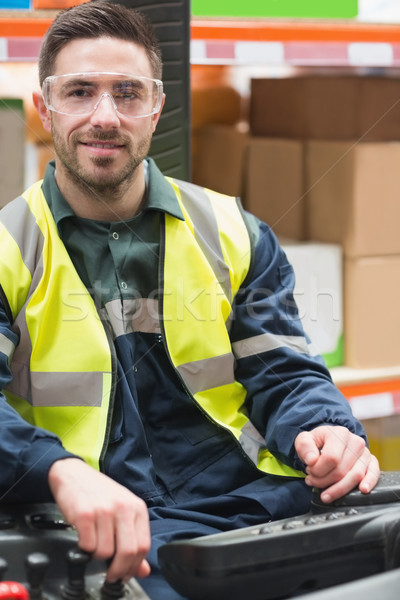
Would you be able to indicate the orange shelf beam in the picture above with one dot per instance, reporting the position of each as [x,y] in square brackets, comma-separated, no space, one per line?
[371,387]
[24,27]
[272,31]
[243,30]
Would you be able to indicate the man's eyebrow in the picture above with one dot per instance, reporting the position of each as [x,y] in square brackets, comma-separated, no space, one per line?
[134,82]
[78,81]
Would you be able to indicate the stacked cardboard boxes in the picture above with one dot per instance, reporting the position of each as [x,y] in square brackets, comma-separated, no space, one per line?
[350,128]
[274,184]
[218,157]
[320,163]
[353,200]
[326,108]
[219,136]
[268,174]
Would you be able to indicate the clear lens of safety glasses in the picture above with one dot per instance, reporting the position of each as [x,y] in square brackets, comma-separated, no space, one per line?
[78,94]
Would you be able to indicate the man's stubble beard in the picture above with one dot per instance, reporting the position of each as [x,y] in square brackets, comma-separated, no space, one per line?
[98,185]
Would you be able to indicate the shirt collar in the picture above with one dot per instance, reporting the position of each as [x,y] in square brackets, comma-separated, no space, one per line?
[59,207]
[160,194]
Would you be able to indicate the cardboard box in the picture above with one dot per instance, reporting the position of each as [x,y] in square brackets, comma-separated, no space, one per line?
[218,158]
[218,104]
[353,193]
[378,109]
[12,149]
[384,440]
[319,295]
[371,311]
[326,108]
[274,185]
[303,107]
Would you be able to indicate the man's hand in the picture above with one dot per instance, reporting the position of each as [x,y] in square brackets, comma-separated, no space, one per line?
[110,520]
[337,461]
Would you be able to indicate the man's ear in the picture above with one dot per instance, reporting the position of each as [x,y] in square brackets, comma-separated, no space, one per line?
[157,116]
[43,113]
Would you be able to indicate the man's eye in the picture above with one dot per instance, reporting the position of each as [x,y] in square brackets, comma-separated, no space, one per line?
[79,93]
[128,91]
[126,94]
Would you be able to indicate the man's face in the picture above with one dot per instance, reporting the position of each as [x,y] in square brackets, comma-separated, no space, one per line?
[101,150]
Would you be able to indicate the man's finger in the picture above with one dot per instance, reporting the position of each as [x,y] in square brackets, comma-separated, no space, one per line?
[306,448]
[371,477]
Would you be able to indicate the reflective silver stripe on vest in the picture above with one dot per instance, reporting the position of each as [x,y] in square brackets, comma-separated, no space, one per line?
[136,314]
[266,342]
[208,373]
[46,388]
[251,441]
[30,241]
[146,317]
[41,388]
[6,347]
[206,232]
[28,237]
[50,389]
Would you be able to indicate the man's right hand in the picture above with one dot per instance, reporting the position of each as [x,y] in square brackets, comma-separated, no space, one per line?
[110,520]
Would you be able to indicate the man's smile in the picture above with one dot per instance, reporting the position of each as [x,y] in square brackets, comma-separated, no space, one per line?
[103,143]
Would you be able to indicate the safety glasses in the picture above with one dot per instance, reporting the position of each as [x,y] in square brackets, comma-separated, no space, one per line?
[79,94]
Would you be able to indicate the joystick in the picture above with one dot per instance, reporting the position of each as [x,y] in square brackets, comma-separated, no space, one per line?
[40,559]
[36,565]
[77,561]
[112,591]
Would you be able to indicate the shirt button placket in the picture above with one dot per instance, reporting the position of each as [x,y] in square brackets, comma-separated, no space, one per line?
[123,285]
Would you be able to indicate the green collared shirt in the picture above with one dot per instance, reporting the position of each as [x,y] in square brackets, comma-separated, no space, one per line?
[115,259]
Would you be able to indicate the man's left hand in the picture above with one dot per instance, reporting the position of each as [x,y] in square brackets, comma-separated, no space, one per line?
[337,461]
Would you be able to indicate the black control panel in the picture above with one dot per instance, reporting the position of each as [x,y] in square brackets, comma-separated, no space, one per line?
[383,586]
[356,537]
[39,556]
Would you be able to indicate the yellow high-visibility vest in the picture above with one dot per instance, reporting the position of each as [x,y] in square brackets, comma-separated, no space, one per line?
[63,375]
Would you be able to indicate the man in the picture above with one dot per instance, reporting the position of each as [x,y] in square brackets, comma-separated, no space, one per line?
[155,372]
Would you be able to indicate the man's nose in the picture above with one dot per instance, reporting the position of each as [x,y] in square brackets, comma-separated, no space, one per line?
[106,111]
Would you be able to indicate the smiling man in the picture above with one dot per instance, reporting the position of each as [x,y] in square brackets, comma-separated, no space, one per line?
[156,379]
[99,139]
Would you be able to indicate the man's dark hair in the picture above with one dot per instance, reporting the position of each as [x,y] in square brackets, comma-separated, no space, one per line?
[95,19]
